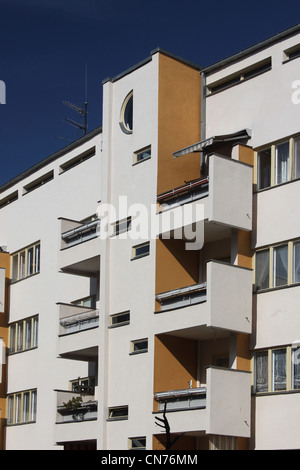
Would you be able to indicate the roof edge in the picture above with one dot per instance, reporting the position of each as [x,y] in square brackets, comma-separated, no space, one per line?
[50,159]
[254,48]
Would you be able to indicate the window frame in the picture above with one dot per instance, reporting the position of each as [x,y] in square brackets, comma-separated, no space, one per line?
[274,146]
[17,334]
[289,364]
[116,316]
[290,265]
[134,252]
[16,412]
[115,413]
[19,262]
[144,154]
[123,122]
[135,343]
[138,438]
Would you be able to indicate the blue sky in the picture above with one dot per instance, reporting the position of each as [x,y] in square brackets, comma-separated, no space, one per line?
[47,45]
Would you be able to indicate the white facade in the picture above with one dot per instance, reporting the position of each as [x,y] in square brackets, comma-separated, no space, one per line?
[95,299]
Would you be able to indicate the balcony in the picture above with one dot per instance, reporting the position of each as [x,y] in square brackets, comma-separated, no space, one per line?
[221,200]
[222,303]
[220,407]
[74,320]
[71,409]
[80,247]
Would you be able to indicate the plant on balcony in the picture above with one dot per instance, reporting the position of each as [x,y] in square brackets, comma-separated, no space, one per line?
[73,403]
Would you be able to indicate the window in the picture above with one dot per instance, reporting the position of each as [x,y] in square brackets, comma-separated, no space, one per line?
[117,413]
[277,369]
[141,250]
[291,53]
[22,407]
[23,335]
[26,262]
[87,302]
[282,167]
[78,159]
[250,72]
[137,443]
[264,168]
[83,385]
[8,199]
[121,226]
[120,319]
[262,269]
[278,163]
[38,182]
[142,155]
[296,368]
[296,262]
[127,114]
[277,265]
[139,346]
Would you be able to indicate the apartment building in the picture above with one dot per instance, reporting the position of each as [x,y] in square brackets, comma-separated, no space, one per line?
[154,265]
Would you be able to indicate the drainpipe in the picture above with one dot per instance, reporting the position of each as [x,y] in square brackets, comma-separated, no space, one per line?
[203,120]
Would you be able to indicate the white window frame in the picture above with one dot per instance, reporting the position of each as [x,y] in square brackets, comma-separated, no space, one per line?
[22,262]
[16,407]
[273,163]
[290,268]
[18,335]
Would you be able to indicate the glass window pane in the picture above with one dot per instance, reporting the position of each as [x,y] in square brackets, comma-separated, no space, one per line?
[15,268]
[28,334]
[10,410]
[296,262]
[26,407]
[296,172]
[30,262]
[35,332]
[33,406]
[282,163]
[261,371]
[18,410]
[280,265]
[279,369]
[296,368]
[22,260]
[20,336]
[262,269]
[37,259]
[264,169]
[12,338]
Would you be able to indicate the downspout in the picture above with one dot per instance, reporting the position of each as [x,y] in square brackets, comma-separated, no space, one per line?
[203,121]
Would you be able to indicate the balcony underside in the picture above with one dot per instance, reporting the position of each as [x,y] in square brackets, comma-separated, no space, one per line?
[86,354]
[87,267]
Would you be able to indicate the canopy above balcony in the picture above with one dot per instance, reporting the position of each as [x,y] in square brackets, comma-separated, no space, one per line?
[238,136]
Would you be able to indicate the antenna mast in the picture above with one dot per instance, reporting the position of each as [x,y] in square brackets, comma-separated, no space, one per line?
[81,111]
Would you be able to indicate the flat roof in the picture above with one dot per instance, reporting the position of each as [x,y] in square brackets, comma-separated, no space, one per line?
[252,49]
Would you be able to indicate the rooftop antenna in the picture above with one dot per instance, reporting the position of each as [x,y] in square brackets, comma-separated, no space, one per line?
[82,111]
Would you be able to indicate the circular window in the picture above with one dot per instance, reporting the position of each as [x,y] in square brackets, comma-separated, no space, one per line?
[127,114]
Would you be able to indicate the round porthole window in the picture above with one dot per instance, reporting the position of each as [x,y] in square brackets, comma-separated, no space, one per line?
[127,114]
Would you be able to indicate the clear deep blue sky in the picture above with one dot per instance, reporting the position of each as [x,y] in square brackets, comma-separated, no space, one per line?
[46,46]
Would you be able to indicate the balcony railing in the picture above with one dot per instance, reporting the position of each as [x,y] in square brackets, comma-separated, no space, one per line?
[186,399]
[75,407]
[73,318]
[182,297]
[183,194]
[79,233]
